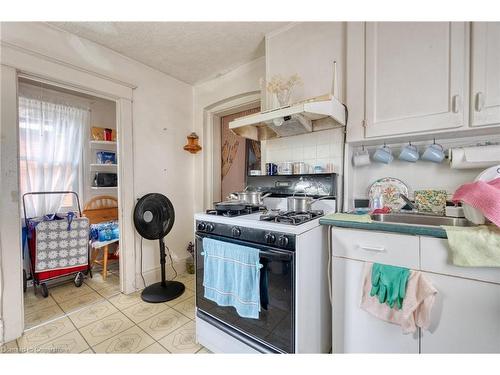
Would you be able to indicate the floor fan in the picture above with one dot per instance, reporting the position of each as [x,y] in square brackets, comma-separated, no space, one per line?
[153,219]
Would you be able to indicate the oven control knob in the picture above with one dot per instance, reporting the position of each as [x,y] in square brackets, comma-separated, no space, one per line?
[236,232]
[283,241]
[201,226]
[210,227]
[270,238]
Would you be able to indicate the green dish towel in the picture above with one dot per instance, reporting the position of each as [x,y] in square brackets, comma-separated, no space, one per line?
[474,246]
[389,284]
[364,218]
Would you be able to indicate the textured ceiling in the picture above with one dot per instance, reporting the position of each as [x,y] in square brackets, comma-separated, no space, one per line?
[189,51]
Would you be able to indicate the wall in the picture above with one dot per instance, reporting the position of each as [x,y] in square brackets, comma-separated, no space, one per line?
[230,87]
[234,156]
[162,117]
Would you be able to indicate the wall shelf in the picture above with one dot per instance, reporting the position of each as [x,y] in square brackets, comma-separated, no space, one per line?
[104,187]
[103,166]
[103,143]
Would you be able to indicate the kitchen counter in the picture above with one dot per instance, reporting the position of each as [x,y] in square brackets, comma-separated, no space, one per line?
[417,230]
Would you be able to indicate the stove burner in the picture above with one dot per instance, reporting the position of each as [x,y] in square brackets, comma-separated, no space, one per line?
[291,217]
[233,213]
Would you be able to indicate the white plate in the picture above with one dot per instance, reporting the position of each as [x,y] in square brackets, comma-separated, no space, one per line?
[489,174]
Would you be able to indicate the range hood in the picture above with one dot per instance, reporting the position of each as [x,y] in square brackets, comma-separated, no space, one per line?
[321,113]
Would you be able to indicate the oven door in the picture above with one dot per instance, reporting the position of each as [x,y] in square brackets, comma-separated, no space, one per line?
[275,327]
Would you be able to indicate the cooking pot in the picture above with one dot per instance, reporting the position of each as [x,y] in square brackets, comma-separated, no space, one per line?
[254,198]
[302,203]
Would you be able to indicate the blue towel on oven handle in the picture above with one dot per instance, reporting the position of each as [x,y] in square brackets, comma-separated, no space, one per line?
[231,276]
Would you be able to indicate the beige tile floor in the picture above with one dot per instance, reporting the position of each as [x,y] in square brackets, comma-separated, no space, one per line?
[92,319]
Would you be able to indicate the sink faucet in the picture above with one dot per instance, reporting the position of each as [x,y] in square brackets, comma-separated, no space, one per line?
[407,201]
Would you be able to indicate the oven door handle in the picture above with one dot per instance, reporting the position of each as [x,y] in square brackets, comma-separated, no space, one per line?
[264,251]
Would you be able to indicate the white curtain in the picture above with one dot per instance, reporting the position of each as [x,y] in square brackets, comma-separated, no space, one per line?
[50,133]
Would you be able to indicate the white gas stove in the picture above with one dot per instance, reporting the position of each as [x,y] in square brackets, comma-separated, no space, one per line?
[296,315]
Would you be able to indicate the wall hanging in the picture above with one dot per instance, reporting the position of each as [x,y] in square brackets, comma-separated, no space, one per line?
[192,146]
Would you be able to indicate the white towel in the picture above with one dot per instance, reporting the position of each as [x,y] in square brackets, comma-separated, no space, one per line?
[417,304]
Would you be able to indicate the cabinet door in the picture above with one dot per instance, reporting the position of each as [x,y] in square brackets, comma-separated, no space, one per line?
[415,77]
[485,79]
[465,317]
[354,329]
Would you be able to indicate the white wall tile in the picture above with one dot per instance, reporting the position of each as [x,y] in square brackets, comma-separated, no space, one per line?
[317,148]
[310,152]
[323,151]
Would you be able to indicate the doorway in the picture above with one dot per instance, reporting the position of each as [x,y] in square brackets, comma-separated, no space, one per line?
[67,142]
[238,156]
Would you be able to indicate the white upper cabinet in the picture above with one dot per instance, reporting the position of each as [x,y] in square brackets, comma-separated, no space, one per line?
[416,75]
[485,70]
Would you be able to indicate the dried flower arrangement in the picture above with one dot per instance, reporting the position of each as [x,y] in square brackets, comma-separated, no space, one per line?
[282,87]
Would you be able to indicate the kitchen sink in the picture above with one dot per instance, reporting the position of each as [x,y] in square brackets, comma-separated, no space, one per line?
[421,219]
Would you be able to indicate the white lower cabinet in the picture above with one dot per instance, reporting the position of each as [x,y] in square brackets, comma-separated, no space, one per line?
[354,329]
[465,317]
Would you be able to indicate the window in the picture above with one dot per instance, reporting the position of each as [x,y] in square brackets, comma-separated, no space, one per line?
[50,150]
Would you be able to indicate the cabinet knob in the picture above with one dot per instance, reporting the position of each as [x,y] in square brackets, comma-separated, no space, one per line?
[456,103]
[372,248]
[479,101]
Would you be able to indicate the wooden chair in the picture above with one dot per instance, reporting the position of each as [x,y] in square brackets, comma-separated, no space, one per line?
[100,209]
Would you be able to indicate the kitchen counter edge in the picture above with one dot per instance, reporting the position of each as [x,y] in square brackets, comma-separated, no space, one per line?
[415,230]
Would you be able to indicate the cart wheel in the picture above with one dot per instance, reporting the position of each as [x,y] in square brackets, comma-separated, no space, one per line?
[45,290]
[79,279]
[25,281]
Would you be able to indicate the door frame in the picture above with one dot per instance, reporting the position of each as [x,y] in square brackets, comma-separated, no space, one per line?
[212,134]
[16,63]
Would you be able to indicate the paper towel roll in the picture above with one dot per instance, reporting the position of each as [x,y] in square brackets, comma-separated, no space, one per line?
[474,157]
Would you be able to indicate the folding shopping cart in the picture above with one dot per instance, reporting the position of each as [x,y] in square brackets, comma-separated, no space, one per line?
[58,245]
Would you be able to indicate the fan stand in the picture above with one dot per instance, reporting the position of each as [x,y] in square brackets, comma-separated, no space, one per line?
[164,290]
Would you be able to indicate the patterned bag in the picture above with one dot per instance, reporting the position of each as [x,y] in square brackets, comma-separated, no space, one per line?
[61,244]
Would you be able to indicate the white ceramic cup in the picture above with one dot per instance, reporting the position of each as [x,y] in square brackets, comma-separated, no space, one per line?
[409,153]
[285,168]
[383,154]
[434,153]
[361,158]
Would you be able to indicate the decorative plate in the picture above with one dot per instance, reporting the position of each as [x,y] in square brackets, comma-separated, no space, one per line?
[391,188]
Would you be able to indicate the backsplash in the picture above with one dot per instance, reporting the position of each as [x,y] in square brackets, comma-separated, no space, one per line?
[317,148]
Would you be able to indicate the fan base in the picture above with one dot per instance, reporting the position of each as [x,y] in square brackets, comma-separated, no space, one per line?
[157,293]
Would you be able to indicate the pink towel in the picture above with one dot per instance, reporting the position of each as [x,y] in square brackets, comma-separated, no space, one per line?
[417,304]
[485,196]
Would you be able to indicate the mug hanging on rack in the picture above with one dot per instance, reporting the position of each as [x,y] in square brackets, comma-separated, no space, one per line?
[361,158]
[434,152]
[409,153]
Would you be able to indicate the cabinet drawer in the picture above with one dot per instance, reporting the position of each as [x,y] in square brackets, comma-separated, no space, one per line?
[379,247]
[435,258]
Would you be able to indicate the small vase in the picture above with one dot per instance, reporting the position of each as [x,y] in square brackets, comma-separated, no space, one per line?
[283,97]
[190,265]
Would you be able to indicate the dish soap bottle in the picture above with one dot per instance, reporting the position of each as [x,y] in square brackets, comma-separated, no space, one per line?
[377,199]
